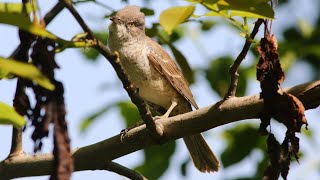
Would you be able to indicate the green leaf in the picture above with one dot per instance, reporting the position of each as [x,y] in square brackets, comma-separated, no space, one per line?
[241,141]
[254,13]
[172,17]
[15,7]
[91,53]
[147,11]
[244,8]
[9,116]
[157,160]
[89,120]
[129,112]
[219,79]
[24,23]
[183,63]
[25,70]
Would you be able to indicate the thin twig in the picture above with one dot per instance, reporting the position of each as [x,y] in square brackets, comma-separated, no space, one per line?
[76,15]
[53,13]
[155,130]
[233,70]
[124,171]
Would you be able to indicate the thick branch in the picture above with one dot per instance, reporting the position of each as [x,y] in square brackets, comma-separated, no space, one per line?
[94,156]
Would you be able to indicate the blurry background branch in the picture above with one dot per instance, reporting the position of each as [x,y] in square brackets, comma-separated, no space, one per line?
[94,156]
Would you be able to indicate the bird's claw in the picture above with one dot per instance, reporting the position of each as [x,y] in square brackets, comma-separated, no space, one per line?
[123,133]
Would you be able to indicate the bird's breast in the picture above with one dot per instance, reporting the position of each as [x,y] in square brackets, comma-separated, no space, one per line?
[153,86]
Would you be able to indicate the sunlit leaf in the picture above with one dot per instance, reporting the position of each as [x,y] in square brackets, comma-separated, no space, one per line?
[9,116]
[15,7]
[172,17]
[183,63]
[241,141]
[24,23]
[244,8]
[253,14]
[157,160]
[211,13]
[25,70]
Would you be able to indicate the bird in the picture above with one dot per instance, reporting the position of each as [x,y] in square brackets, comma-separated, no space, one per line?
[157,77]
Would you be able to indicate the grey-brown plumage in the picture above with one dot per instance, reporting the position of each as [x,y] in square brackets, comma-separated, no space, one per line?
[151,69]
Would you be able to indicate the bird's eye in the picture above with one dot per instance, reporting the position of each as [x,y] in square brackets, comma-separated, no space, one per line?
[131,24]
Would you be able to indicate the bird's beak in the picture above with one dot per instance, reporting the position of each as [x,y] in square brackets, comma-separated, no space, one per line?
[114,19]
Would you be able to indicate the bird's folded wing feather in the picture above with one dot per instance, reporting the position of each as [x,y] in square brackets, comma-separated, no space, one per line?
[161,60]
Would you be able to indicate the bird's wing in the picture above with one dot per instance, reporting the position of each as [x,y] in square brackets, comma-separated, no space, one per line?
[161,60]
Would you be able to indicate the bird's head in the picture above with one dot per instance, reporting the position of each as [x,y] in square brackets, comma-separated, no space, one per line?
[127,23]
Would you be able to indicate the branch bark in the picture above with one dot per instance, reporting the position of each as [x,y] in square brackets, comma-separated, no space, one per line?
[233,70]
[94,156]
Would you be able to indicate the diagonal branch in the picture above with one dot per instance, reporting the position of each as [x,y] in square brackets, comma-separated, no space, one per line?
[233,70]
[76,15]
[124,171]
[94,156]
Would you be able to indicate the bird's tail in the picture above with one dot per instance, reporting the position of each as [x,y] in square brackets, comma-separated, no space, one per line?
[201,154]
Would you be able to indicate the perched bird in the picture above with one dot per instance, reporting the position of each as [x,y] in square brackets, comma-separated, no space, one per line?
[159,80]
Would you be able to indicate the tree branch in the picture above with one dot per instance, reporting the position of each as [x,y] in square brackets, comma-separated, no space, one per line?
[76,15]
[94,156]
[16,142]
[124,171]
[233,70]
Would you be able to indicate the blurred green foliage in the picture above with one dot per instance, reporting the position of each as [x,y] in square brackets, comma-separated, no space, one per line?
[129,112]
[157,160]
[241,141]
[218,76]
